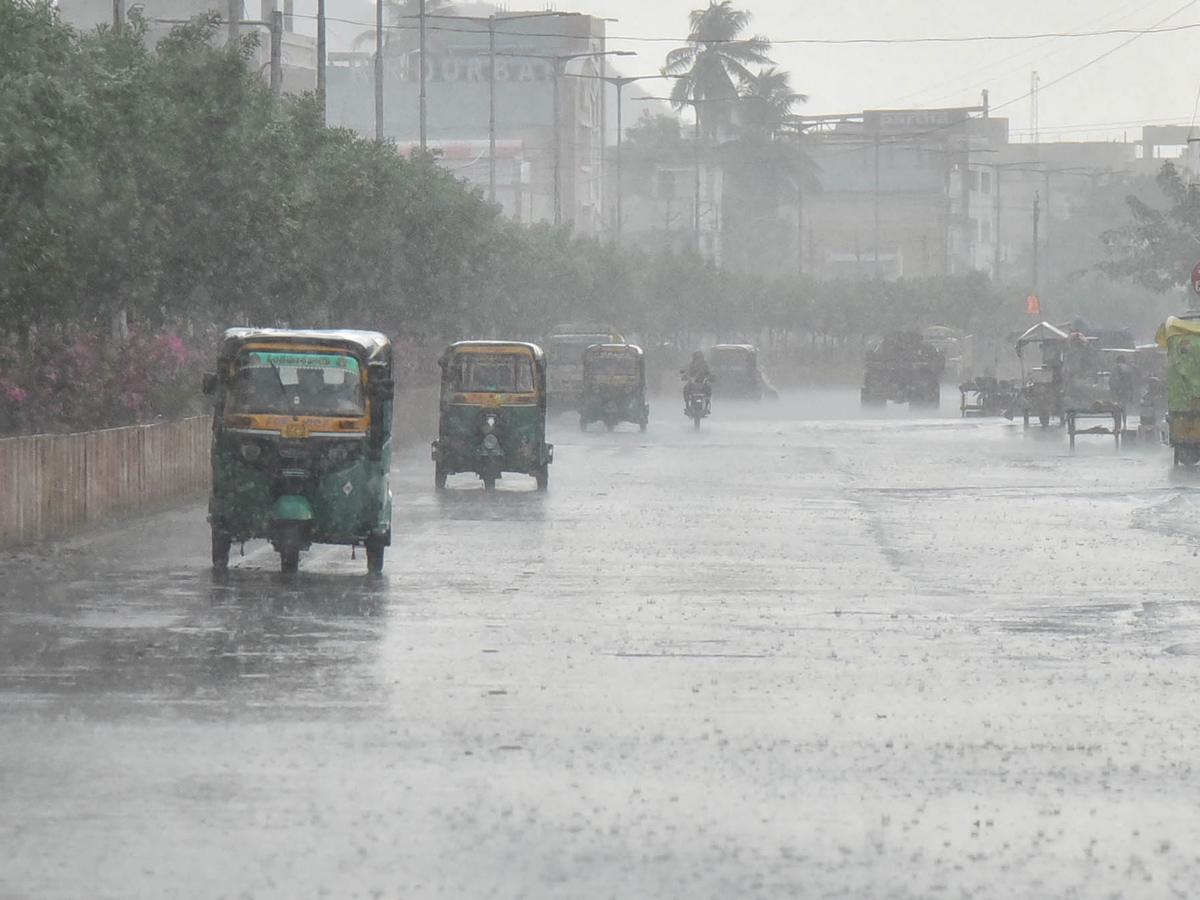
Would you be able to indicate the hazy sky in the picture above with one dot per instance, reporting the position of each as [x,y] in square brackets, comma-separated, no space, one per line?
[1155,79]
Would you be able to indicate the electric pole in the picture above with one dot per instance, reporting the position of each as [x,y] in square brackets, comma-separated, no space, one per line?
[379,70]
[321,57]
[1036,213]
[421,13]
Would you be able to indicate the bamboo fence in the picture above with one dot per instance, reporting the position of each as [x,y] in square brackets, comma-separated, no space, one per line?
[57,484]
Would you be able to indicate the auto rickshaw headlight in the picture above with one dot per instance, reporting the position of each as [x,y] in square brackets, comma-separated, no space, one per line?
[489,424]
[490,441]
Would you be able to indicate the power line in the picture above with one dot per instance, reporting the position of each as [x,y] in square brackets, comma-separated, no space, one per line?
[929,39]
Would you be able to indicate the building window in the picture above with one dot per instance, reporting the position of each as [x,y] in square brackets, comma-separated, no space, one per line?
[985,231]
[986,182]
[974,179]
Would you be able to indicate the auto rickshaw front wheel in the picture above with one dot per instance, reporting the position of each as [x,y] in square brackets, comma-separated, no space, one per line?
[489,481]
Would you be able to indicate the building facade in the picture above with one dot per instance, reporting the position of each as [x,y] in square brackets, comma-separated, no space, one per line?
[549,107]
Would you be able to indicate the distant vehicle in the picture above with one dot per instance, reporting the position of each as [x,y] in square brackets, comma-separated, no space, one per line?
[1181,337]
[903,368]
[956,348]
[736,373]
[564,358]
[614,386]
[301,443]
[493,413]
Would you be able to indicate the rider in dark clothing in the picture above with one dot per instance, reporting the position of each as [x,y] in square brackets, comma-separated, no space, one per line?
[698,373]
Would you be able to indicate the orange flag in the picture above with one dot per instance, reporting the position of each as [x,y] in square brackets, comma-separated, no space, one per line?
[1033,305]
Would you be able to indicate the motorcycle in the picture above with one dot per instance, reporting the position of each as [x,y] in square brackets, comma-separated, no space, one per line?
[697,398]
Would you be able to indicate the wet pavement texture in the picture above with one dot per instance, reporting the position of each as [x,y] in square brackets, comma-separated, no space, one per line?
[800,653]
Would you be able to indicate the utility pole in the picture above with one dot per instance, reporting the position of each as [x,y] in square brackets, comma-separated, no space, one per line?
[118,14]
[276,53]
[321,57]
[619,82]
[491,109]
[379,70]
[558,66]
[875,196]
[696,202]
[421,15]
[234,21]
[799,204]
[996,265]
[1036,213]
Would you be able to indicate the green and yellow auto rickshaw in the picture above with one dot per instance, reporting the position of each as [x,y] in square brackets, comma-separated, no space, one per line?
[493,412]
[1181,336]
[301,443]
[614,386]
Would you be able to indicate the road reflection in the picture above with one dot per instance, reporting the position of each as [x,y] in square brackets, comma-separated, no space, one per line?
[252,633]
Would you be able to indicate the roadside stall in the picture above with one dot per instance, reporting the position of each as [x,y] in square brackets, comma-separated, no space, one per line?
[1042,387]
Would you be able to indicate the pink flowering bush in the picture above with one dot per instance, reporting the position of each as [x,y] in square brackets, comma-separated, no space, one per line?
[73,380]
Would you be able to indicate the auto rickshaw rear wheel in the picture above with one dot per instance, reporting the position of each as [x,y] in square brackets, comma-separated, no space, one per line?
[221,542]
[1044,418]
[542,475]
[289,560]
[439,478]
[375,549]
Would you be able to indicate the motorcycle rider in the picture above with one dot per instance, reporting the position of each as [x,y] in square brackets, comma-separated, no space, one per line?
[697,376]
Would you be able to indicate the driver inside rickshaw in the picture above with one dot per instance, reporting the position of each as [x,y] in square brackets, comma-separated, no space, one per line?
[496,376]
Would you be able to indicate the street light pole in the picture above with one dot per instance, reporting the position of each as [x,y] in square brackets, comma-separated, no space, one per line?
[379,70]
[619,82]
[421,54]
[492,108]
[559,63]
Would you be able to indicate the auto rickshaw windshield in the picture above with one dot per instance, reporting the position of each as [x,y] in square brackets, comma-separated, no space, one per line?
[733,361]
[609,364]
[492,372]
[296,384]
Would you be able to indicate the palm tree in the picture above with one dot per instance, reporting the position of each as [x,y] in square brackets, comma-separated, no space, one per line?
[763,165]
[765,104]
[712,66]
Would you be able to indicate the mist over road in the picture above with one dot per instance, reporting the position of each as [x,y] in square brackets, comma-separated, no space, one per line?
[799,653]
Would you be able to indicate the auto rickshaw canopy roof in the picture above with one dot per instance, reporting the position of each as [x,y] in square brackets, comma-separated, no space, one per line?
[1174,327]
[627,349]
[1042,332]
[374,347]
[496,347]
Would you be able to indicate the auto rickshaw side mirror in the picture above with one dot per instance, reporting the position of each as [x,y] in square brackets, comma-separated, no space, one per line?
[208,384]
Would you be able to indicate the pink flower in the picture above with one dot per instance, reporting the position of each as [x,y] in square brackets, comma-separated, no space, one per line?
[14,394]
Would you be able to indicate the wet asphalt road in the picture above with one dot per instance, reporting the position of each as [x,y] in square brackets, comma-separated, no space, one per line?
[797,654]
